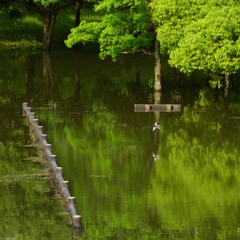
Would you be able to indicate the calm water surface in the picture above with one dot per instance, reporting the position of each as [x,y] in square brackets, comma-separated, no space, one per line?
[179,182]
[29,207]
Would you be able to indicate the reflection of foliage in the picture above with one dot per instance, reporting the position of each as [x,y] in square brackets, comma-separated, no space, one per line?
[4,100]
[199,176]
[98,140]
[205,106]
[151,83]
[120,191]
[216,80]
[108,161]
[151,98]
[202,176]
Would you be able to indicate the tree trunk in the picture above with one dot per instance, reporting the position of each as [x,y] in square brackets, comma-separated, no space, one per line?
[77,15]
[48,79]
[137,74]
[77,79]
[157,100]
[77,20]
[157,69]
[227,89]
[226,95]
[30,61]
[49,15]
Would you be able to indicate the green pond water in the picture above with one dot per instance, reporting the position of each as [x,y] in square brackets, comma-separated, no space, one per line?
[179,182]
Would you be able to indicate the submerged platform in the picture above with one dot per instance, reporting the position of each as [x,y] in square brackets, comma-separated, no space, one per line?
[157,107]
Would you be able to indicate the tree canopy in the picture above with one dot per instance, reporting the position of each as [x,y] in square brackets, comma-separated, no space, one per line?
[210,44]
[48,10]
[125,26]
[199,34]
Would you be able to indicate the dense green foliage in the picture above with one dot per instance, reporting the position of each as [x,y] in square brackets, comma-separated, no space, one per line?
[14,9]
[200,35]
[46,3]
[211,44]
[197,35]
[170,19]
[28,29]
[123,28]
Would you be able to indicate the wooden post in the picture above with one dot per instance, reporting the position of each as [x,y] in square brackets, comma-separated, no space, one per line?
[39,133]
[53,164]
[72,205]
[59,170]
[48,147]
[28,111]
[48,151]
[65,184]
[40,129]
[148,108]
[157,107]
[53,158]
[72,201]
[43,141]
[35,125]
[24,105]
[65,190]
[58,177]
[32,116]
[169,108]
[77,221]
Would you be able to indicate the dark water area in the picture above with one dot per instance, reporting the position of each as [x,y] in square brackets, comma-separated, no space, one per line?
[30,208]
[179,182]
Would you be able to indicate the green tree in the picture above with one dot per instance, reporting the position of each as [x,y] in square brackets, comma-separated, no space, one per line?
[48,10]
[211,44]
[124,28]
[15,9]
[199,34]
[171,17]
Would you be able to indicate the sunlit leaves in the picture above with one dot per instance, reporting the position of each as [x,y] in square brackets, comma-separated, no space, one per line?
[109,5]
[199,34]
[46,3]
[87,31]
[123,28]
[170,18]
[210,44]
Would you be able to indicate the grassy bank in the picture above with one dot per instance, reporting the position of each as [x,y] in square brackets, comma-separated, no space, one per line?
[26,32]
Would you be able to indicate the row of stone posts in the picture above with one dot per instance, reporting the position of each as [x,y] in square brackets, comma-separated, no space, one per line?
[62,186]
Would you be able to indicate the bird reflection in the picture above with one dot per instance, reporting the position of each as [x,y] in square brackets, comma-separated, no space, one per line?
[155,157]
[156,126]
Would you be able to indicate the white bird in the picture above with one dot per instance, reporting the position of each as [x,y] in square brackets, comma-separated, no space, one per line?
[156,126]
[155,157]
